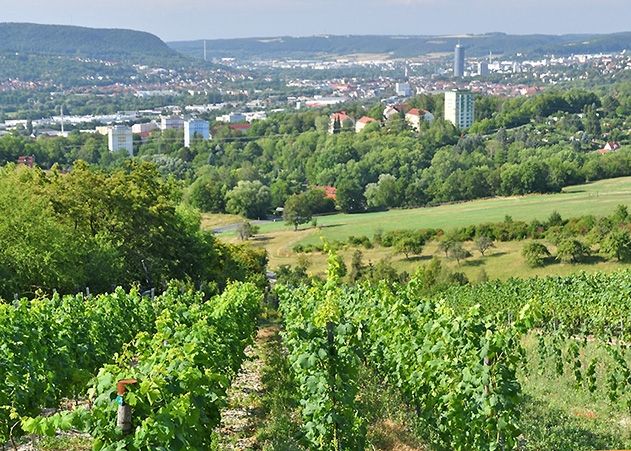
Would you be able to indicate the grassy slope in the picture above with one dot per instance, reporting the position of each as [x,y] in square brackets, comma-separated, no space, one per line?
[598,198]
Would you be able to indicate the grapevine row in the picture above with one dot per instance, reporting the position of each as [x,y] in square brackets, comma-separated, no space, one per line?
[457,369]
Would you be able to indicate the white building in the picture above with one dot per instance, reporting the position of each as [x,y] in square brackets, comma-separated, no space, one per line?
[146,127]
[403,89]
[120,137]
[171,122]
[459,108]
[195,128]
[232,118]
[415,116]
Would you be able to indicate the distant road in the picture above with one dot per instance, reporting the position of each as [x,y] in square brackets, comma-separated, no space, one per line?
[233,227]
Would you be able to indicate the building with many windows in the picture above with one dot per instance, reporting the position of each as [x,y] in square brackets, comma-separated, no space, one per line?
[171,122]
[120,137]
[195,128]
[459,108]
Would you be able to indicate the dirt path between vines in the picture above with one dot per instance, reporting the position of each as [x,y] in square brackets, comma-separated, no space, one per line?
[244,414]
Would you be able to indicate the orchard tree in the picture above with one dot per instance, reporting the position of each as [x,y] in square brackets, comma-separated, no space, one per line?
[618,245]
[410,244]
[484,243]
[458,252]
[572,251]
[535,253]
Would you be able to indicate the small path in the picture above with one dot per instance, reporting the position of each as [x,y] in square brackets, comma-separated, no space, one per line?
[244,414]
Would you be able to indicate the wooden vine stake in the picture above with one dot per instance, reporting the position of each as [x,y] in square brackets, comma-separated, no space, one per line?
[123,417]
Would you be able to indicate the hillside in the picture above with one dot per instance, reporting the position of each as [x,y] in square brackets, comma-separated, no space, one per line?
[405,46]
[61,40]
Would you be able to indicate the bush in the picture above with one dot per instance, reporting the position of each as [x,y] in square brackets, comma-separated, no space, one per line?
[535,254]
[572,251]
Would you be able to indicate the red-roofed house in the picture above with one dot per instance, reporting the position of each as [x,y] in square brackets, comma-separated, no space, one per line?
[339,121]
[612,146]
[415,116]
[363,122]
[329,191]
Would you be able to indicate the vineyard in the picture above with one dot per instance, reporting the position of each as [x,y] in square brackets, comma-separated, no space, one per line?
[459,360]
[461,363]
[180,350]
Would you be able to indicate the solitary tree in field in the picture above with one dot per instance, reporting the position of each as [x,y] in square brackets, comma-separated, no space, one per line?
[297,211]
[484,243]
[410,245]
[458,252]
[247,230]
[445,245]
[535,253]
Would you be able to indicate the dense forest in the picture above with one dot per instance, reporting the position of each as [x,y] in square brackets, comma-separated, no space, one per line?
[81,42]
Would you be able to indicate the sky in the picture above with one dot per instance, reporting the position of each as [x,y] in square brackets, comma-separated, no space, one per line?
[175,20]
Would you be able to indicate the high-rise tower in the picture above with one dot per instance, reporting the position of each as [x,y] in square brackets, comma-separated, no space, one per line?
[459,61]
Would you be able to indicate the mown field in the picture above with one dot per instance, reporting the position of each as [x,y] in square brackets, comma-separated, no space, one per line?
[599,198]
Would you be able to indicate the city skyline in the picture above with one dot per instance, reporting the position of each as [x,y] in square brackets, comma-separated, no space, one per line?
[194,19]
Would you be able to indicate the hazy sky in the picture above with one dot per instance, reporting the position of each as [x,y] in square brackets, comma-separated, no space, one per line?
[196,19]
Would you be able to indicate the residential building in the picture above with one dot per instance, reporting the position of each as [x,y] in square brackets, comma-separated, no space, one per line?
[415,116]
[144,129]
[196,128]
[394,110]
[171,123]
[339,121]
[232,118]
[459,61]
[403,89]
[120,137]
[363,122]
[459,108]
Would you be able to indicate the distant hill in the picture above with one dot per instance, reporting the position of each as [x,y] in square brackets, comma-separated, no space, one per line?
[404,46]
[62,40]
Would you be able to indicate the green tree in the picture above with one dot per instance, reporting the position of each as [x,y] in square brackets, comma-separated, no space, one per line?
[572,251]
[535,253]
[251,199]
[247,230]
[410,244]
[458,252]
[484,243]
[350,196]
[297,211]
[617,245]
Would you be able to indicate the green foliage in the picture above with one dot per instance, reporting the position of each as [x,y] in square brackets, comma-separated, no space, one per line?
[617,245]
[535,253]
[572,251]
[297,211]
[183,370]
[460,379]
[484,243]
[251,199]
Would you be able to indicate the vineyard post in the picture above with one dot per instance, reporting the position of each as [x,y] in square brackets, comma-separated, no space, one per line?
[123,415]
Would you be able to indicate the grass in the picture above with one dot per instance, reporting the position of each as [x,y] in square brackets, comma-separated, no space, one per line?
[502,262]
[599,198]
[558,415]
